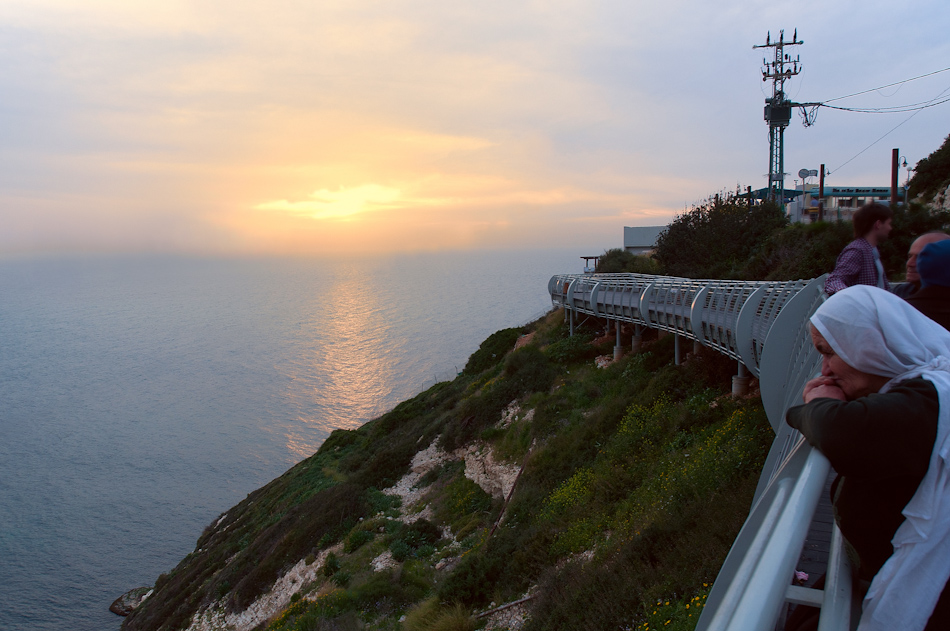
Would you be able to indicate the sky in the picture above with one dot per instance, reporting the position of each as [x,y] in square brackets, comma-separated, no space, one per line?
[344,126]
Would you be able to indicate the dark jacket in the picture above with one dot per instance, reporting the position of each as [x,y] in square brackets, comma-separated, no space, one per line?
[904,290]
[880,446]
[934,302]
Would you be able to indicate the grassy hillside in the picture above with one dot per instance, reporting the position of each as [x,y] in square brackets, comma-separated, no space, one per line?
[629,484]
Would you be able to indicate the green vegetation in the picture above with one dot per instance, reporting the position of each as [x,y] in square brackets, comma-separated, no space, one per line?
[717,237]
[617,260]
[636,479]
[723,238]
[932,174]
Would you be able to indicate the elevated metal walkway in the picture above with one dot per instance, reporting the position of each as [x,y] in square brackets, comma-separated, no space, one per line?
[763,325]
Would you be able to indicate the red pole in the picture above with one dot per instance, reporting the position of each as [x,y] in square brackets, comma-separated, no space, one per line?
[894,155]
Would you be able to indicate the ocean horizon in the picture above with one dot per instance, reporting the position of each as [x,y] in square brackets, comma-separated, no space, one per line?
[142,396]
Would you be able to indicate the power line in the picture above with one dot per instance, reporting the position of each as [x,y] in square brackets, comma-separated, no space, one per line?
[889,110]
[916,112]
[889,85]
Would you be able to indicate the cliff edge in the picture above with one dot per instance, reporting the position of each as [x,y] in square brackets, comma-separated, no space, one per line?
[540,489]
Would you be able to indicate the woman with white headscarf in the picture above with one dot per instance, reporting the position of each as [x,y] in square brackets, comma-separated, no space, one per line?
[880,412]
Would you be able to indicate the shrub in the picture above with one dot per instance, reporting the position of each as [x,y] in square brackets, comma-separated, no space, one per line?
[492,351]
[331,566]
[388,591]
[715,238]
[356,539]
[617,260]
[463,505]
[432,616]
[799,251]
[572,349]
[341,578]
[400,550]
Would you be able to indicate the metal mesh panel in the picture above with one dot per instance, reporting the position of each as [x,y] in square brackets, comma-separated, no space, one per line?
[558,287]
[777,295]
[619,295]
[720,312]
[670,304]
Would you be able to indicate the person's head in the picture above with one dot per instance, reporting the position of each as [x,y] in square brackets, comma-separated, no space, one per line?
[915,248]
[853,382]
[868,337]
[872,222]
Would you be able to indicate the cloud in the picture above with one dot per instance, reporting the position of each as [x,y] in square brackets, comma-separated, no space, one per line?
[342,203]
[347,123]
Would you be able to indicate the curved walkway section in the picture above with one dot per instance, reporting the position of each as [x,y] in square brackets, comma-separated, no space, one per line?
[764,325]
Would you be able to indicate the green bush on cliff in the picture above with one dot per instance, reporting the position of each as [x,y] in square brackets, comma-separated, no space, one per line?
[617,260]
[492,351]
[715,238]
[932,174]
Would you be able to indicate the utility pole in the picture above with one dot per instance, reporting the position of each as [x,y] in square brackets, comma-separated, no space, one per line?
[778,109]
[894,158]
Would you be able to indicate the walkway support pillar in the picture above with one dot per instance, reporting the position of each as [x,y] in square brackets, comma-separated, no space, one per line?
[740,382]
[572,322]
[618,350]
[696,347]
[637,339]
[676,349]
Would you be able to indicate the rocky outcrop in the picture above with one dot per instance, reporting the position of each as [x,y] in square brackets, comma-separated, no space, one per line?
[127,602]
[941,200]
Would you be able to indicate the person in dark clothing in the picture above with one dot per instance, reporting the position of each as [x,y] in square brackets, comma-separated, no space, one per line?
[880,412]
[933,297]
[911,282]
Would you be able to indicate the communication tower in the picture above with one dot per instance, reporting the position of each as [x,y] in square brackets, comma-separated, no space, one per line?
[778,109]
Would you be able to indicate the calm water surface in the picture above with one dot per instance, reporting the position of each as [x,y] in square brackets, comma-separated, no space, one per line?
[141,397]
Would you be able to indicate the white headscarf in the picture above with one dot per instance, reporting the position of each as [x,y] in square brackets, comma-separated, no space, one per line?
[878,333]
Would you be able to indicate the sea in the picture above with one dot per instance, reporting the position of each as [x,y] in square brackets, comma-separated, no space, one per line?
[143,396]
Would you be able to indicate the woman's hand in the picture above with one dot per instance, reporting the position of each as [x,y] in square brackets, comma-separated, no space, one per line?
[822,388]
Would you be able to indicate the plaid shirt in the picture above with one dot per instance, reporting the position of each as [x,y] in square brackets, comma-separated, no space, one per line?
[856,266]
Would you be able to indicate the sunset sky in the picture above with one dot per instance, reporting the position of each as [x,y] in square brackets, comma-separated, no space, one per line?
[333,126]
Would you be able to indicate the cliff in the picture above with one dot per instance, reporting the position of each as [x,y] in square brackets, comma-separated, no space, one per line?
[543,488]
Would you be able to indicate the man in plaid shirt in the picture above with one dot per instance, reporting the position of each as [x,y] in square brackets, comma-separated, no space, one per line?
[859,262]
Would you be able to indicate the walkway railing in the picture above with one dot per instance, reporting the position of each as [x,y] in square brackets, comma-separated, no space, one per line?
[764,325]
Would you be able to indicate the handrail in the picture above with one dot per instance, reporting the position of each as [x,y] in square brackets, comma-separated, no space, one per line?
[765,326]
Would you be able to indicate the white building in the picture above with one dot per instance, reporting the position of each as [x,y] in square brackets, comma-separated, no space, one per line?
[641,239]
[839,202]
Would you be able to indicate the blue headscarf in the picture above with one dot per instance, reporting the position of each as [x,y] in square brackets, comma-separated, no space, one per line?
[933,264]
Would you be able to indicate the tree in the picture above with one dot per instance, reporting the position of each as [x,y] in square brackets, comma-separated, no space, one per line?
[617,260]
[932,174]
[716,238]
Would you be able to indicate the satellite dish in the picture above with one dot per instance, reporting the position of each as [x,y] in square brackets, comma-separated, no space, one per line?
[803,173]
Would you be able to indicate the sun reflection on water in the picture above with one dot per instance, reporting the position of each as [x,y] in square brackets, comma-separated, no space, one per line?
[345,358]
